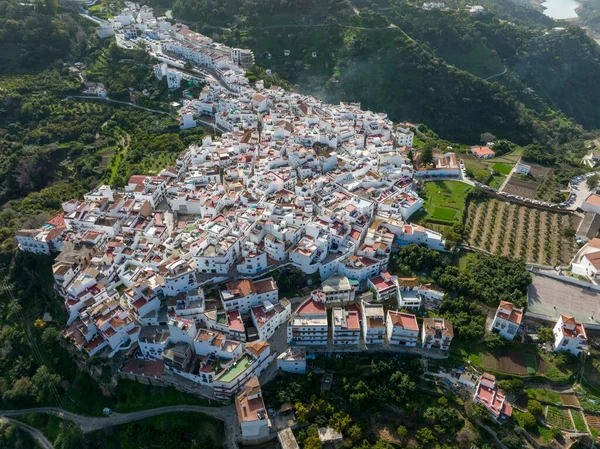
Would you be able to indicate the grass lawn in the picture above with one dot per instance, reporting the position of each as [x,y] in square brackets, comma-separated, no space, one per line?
[531,363]
[559,417]
[579,421]
[444,201]
[443,214]
[502,168]
[545,396]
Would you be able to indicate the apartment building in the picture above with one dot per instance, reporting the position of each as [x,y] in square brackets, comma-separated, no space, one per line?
[437,333]
[308,324]
[402,329]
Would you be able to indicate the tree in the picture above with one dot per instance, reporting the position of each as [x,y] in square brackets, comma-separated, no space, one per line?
[515,386]
[354,432]
[45,382]
[50,336]
[402,431]
[301,412]
[425,436]
[39,324]
[426,156]
[592,181]
[534,407]
[545,334]
[487,137]
[494,342]
[340,421]
[512,441]
[527,420]
[188,66]
[480,413]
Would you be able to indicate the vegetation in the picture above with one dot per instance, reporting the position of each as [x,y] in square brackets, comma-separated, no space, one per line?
[537,236]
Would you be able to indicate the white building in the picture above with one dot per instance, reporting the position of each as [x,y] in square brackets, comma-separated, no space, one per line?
[244,294]
[345,325]
[293,360]
[252,414]
[507,320]
[569,335]
[308,325]
[268,317]
[402,329]
[373,324]
[437,333]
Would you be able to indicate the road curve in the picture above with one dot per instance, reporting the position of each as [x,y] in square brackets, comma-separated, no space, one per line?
[35,433]
[89,423]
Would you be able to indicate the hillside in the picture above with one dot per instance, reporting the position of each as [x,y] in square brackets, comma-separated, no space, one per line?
[424,66]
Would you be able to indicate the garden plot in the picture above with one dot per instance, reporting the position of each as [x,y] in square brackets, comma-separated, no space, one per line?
[513,362]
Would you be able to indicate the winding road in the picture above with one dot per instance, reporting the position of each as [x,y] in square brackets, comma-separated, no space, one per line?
[226,414]
[37,435]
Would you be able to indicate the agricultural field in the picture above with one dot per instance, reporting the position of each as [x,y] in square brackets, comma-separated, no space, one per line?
[513,362]
[544,396]
[569,399]
[481,169]
[593,421]
[578,420]
[519,231]
[444,202]
[526,186]
[559,417]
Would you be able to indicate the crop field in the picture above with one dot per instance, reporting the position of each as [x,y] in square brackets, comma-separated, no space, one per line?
[569,399]
[578,420]
[593,421]
[519,231]
[502,168]
[559,417]
[512,362]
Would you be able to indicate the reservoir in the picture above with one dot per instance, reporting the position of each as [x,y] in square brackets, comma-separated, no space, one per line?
[560,9]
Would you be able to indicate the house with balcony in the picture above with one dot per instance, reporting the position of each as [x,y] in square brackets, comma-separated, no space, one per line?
[244,294]
[402,329]
[345,325]
[569,335]
[308,324]
[487,394]
[437,333]
[268,317]
[373,323]
[507,320]
[236,373]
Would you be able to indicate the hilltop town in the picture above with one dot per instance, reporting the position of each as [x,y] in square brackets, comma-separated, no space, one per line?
[269,244]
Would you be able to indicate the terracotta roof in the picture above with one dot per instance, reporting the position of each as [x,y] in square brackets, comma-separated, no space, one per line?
[257,347]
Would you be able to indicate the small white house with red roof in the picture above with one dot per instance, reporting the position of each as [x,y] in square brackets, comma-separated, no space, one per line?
[487,394]
[569,335]
[507,320]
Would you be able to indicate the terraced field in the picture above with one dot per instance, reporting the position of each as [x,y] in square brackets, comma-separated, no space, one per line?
[519,231]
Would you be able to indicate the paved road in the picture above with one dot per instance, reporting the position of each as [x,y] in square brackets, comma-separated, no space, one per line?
[226,414]
[35,433]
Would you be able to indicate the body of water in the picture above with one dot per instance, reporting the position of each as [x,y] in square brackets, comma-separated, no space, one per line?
[560,9]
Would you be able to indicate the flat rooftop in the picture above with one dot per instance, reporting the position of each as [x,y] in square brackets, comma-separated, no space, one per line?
[234,371]
[551,298]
